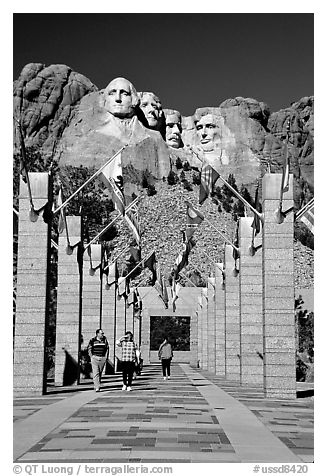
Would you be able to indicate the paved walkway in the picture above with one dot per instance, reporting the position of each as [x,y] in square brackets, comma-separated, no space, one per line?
[193,417]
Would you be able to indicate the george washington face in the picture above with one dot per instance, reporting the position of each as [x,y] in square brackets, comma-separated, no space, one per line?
[208,132]
[121,98]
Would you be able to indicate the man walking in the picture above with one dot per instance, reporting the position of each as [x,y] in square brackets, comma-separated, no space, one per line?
[98,350]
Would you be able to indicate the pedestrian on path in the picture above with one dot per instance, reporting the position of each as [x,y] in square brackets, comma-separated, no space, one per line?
[98,350]
[165,354]
[129,359]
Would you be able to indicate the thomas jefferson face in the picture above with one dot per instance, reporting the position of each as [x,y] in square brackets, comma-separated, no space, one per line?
[173,131]
[207,130]
[120,98]
[151,106]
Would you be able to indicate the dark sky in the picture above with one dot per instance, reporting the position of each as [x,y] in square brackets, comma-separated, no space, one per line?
[188,60]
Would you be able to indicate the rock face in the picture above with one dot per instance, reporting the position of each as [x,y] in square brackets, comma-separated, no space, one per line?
[45,101]
[92,138]
[62,111]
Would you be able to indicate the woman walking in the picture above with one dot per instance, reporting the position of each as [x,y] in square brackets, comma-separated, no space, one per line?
[129,358]
[165,354]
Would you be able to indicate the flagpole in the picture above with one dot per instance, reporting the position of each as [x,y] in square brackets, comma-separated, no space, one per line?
[144,259]
[183,275]
[241,198]
[231,188]
[221,234]
[119,255]
[144,279]
[88,181]
[212,261]
[304,209]
[110,224]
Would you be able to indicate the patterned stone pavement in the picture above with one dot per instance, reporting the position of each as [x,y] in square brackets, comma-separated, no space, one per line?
[159,421]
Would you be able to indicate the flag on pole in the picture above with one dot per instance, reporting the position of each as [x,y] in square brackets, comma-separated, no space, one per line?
[112,276]
[137,304]
[306,215]
[286,173]
[135,252]
[182,258]
[150,263]
[256,225]
[62,222]
[23,167]
[175,287]
[112,176]
[193,219]
[209,177]
[131,297]
[161,287]
[122,288]
[132,219]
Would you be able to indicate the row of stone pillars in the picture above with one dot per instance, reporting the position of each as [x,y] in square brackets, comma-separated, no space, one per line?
[246,328]
[245,332]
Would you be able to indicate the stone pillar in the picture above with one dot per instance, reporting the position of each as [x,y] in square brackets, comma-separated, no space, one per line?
[232,312]
[68,304]
[220,322]
[199,314]
[120,319]
[91,303]
[278,292]
[204,364]
[251,314]
[29,374]
[147,296]
[109,314]
[211,325]
[194,339]
[129,317]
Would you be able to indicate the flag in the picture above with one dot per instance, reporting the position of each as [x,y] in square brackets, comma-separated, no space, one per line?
[236,253]
[256,225]
[306,215]
[22,166]
[137,304]
[193,219]
[182,258]
[175,287]
[132,219]
[161,287]
[131,298]
[150,263]
[62,222]
[123,288]
[112,276]
[22,160]
[209,177]
[135,252]
[286,174]
[212,282]
[95,254]
[112,176]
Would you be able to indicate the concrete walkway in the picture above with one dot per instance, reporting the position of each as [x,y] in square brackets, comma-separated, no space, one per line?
[193,417]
